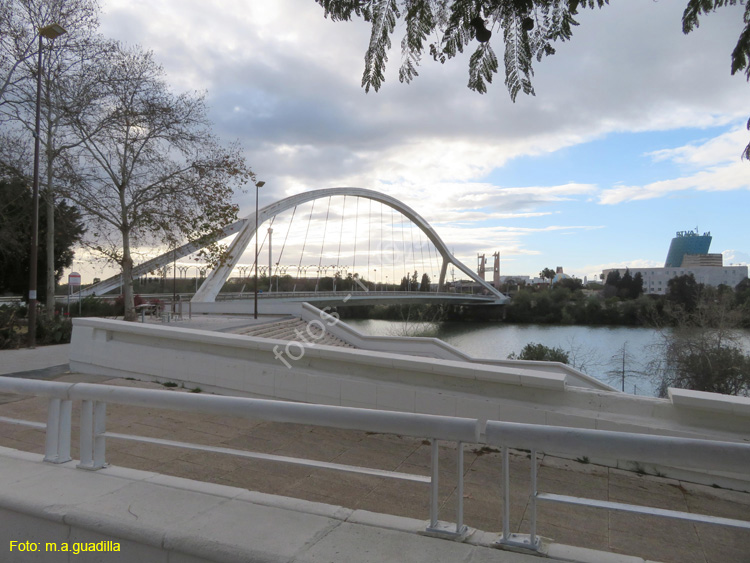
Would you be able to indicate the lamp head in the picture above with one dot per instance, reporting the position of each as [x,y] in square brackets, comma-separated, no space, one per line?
[51,31]
[260,184]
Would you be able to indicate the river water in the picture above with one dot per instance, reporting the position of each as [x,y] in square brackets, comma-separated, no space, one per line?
[595,350]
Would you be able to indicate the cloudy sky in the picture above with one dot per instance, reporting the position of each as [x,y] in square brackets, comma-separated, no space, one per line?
[635,132]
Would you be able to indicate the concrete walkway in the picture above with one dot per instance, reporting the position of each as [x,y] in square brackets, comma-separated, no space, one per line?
[217,323]
[647,537]
[162,519]
[25,360]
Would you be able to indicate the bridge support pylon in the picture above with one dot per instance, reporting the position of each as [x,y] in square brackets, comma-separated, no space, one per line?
[443,271]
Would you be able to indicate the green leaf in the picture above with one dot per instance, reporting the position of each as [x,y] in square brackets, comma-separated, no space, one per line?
[383,14]
[482,65]
[419,23]
[518,70]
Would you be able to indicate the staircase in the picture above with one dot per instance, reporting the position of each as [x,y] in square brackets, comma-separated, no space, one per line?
[293,329]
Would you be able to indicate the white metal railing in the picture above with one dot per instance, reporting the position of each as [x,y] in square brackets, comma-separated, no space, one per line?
[93,434]
[686,453]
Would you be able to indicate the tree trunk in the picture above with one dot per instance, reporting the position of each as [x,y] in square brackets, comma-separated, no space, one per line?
[127,278]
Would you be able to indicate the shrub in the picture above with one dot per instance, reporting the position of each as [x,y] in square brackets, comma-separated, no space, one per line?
[10,332]
[540,352]
[57,330]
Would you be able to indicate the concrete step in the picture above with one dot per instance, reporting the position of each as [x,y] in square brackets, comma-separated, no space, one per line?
[291,329]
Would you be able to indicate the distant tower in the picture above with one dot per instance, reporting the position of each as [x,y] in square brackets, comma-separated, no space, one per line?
[686,242]
[481,262]
[496,271]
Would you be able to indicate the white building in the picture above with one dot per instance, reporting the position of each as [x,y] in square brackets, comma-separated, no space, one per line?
[655,279]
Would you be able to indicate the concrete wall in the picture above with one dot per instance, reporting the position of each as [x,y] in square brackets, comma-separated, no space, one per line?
[241,365]
[436,348]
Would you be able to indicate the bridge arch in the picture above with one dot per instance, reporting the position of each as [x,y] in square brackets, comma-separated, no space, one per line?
[215,281]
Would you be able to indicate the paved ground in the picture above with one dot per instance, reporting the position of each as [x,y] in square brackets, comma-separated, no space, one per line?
[645,536]
[218,323]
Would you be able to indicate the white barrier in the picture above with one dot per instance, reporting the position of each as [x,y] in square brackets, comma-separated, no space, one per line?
[436,348]
[701,455]
[93,434]
[249,366]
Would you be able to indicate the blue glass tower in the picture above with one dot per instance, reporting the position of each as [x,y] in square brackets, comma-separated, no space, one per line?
[686,242]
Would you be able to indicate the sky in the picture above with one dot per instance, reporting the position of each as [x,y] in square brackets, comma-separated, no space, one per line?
[636,130]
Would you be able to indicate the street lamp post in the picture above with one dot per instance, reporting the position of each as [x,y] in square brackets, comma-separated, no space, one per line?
[50,32]
[258,185]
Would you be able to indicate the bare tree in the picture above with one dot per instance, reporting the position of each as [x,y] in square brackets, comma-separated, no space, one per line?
[20,21]
[148,170]
[62,59]
[702,349]
[621,362]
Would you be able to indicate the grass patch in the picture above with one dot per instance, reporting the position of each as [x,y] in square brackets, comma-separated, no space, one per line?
[485,450]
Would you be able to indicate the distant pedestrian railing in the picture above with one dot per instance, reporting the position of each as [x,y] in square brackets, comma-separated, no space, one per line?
[704,455]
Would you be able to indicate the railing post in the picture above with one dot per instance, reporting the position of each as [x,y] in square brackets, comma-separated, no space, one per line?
[460,528]
[507,538]
[532,502]
[435,527]
[434,484]
[57,440]
[100,424]
[506,493]
[87,434]
[93,418]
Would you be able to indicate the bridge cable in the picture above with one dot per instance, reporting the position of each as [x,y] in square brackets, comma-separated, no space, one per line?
[341,232]
[403,249]
[438,264]
[322,246]
[393,248]
[263,243]
[381,244]
[429,250]
[369,236]
[356,232]
[421,250]
[411,234]
[304,242]
[283,246]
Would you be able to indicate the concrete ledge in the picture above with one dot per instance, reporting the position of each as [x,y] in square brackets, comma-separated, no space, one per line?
[267,368]
[701,400]
[436,348]
[163,519]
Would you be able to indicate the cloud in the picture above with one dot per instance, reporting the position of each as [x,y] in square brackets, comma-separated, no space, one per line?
[718,150]
[736,257]
[592,271]
[715,164]
[286,82]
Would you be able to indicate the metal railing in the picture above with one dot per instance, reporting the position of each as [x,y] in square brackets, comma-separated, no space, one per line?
[380,293]
[704,455]
[93,434]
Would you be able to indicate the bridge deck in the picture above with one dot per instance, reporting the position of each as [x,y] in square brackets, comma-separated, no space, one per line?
[369,297]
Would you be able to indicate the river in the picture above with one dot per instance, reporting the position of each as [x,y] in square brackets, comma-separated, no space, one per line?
[595,350]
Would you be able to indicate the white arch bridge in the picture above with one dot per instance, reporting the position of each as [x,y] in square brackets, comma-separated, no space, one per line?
[363,240]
